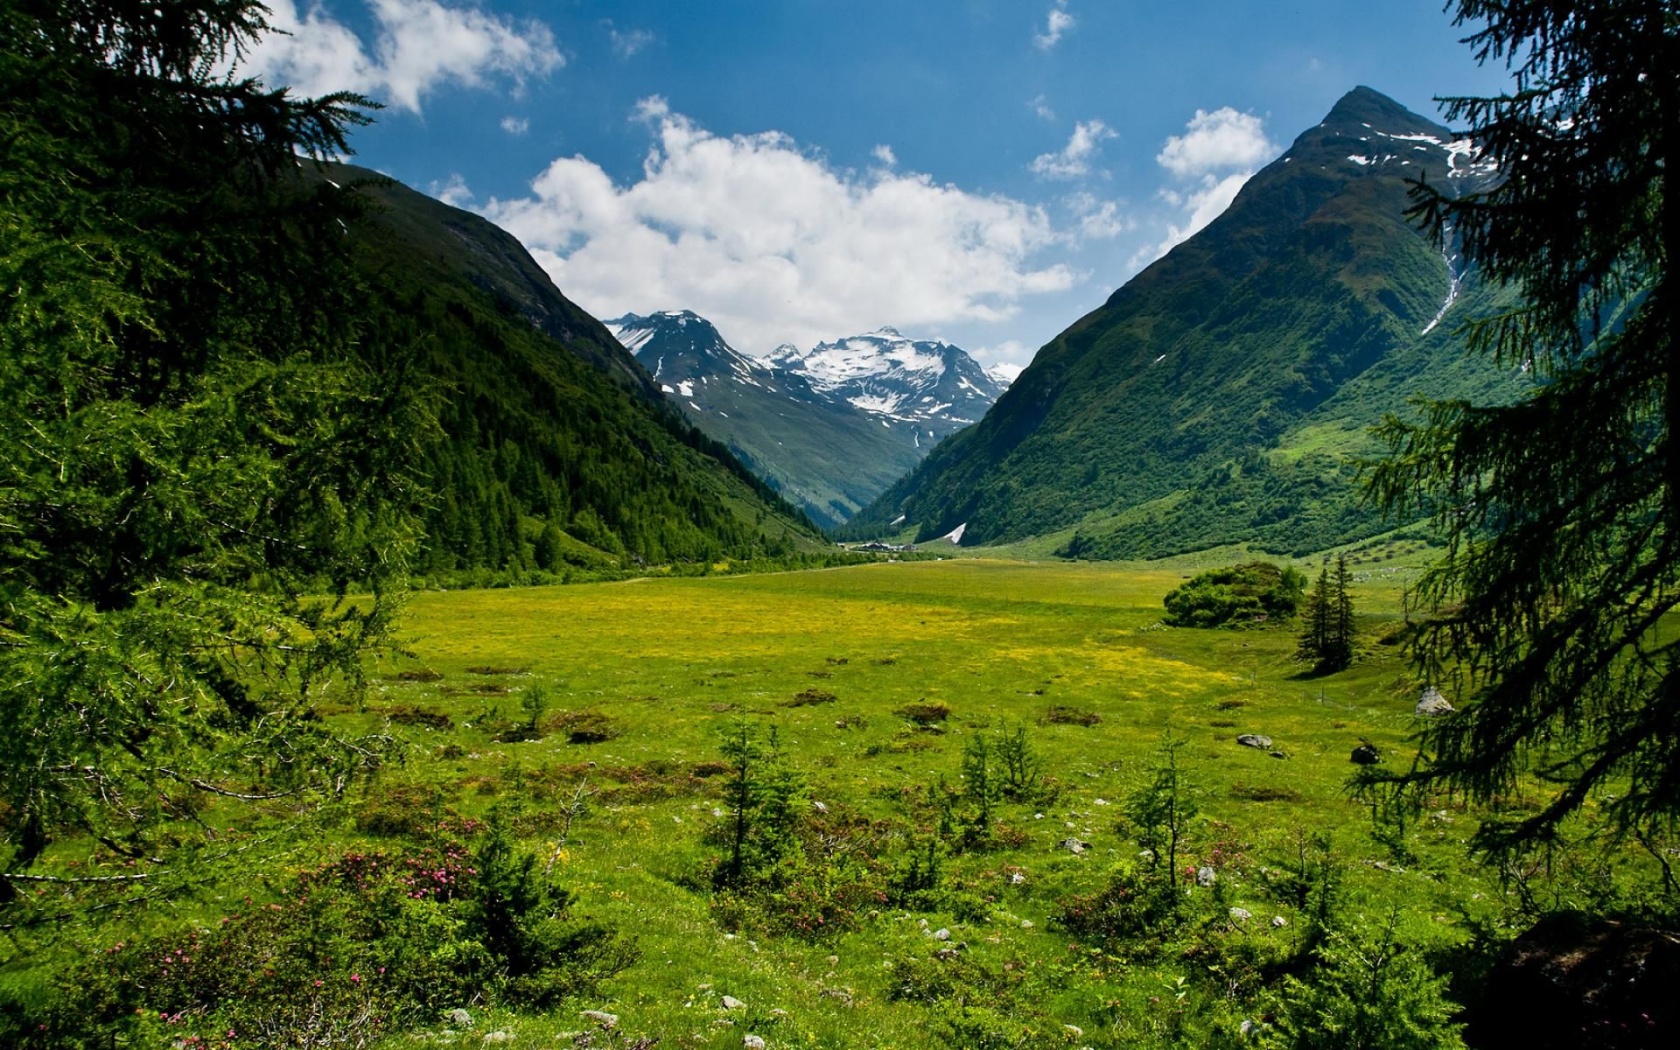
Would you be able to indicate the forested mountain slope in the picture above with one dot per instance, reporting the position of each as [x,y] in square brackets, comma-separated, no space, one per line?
[1218,396]
[544,419]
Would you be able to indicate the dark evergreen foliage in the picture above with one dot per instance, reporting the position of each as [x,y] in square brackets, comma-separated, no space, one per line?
[1563,510]
[1327,637]
[194,440]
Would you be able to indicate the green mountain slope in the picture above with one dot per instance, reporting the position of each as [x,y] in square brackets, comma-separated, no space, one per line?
[1217,397]
[546,420]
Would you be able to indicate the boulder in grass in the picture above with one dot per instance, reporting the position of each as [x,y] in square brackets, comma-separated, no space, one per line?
[1255,740]
[1365,755]
[1431,704]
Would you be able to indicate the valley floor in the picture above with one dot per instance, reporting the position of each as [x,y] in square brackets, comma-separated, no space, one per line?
[670,663]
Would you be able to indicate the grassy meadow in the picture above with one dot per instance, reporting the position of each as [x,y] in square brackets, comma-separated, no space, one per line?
[671,663]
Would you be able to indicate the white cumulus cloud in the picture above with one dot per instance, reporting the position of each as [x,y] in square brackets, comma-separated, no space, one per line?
[1224,138]
[1056,23]
[774,244]
[1202,160]
[453,192]
[418,46]
[516,125]
[1073,161]
[884,153]
[626,42]
[1098,219]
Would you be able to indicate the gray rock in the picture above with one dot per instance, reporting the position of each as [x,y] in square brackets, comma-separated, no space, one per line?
[941,934]
[752,1042]
[732,1003]
[1365,755]
[1279,922]
[1255,740]
[601,1017]
[1431,704]
[1073,845]
[498,1037]
[1206,876]
[1277,754]
[459,1018]
[1241,915]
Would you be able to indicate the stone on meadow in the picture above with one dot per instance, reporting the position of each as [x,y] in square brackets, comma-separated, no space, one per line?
[601,1017]
[1431,704]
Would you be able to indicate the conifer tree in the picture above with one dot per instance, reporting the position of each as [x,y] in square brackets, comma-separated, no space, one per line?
[1328,636]
[1339,644]
[1562,511]
[193,444]
[1315,632]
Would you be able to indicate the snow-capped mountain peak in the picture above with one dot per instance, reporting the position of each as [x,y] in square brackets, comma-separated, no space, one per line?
[926,387]
[926,381]
[680,347]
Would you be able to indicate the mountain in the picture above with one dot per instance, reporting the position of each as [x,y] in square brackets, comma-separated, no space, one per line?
[829,430]
[929,383]
[1218,396]
[555,447]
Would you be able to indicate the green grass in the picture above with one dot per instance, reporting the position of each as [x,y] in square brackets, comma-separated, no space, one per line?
[671,661]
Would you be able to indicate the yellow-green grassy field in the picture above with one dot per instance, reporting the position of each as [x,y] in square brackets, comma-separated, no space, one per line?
[672,662]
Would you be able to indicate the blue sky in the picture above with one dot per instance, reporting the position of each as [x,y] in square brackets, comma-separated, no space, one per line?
[978,170]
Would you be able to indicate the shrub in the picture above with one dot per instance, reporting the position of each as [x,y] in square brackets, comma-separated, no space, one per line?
[1064,715]
[397,810]
[410,715]
[1265,793]
[585,727]
[810,698]
[1243,594]
[924,713]
[1133,905]
[1366,991]
[365,945]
